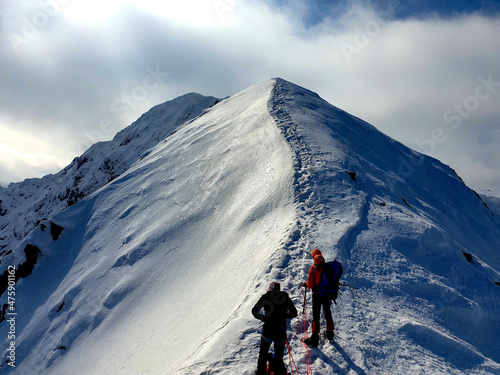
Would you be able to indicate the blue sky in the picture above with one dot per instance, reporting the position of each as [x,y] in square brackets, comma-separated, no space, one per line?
[316,10]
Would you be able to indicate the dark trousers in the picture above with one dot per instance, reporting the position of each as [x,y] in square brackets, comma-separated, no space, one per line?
[279,349]
[317,303]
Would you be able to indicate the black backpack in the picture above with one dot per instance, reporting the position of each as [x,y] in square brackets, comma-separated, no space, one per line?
[330,277]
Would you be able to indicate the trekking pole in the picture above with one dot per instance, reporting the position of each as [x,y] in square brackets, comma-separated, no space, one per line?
[305,296]
[352,287]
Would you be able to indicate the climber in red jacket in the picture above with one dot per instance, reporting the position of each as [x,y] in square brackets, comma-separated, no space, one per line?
[313,283]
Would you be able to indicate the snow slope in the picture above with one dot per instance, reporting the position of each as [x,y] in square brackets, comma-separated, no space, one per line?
[419,293]
[156,272]
[150,265]
[421,307]
[492,199]
[24,204]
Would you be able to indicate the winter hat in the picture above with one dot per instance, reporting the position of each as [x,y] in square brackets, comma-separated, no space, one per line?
[318,259]
[274,286]
[316,252]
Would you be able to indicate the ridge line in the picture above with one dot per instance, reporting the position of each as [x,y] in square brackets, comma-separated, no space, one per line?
[304,196]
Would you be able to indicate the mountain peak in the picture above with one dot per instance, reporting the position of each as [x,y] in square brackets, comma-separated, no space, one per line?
[166,260]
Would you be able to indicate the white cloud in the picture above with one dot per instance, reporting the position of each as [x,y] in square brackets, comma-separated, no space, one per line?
[24,153]
[401,76]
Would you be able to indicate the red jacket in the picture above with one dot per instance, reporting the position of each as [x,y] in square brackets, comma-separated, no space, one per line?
[314,279]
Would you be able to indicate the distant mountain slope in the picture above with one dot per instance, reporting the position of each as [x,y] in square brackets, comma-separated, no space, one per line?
[24,204]
[157,271]
[492,199]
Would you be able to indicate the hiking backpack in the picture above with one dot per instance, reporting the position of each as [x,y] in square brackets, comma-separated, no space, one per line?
[330,277]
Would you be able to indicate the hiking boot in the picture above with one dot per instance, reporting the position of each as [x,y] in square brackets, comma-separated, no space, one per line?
[313,340]
[330,336]
[261,369]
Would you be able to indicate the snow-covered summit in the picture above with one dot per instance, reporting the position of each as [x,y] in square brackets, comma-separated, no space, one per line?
[157,271]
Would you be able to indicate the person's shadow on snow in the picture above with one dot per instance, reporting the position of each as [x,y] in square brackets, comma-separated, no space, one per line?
[358,370]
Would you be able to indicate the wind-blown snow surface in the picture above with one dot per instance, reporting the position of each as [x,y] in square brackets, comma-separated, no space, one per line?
[156,272]
[24,204]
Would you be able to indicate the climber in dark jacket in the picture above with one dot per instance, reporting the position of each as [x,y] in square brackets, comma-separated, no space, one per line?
[278,307]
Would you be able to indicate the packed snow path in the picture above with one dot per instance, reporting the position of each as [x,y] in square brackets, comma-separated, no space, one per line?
[156,273]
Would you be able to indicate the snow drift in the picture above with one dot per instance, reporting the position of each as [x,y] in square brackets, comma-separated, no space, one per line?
[156,272]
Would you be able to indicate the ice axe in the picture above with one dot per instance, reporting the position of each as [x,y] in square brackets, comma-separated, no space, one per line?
[352,287]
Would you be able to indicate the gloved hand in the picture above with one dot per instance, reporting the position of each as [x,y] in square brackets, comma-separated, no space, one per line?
[304,285]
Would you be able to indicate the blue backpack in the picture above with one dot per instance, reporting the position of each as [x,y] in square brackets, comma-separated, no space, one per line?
[330,277]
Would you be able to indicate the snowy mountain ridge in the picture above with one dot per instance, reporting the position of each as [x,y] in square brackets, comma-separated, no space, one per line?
[157,271]
[24,204]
